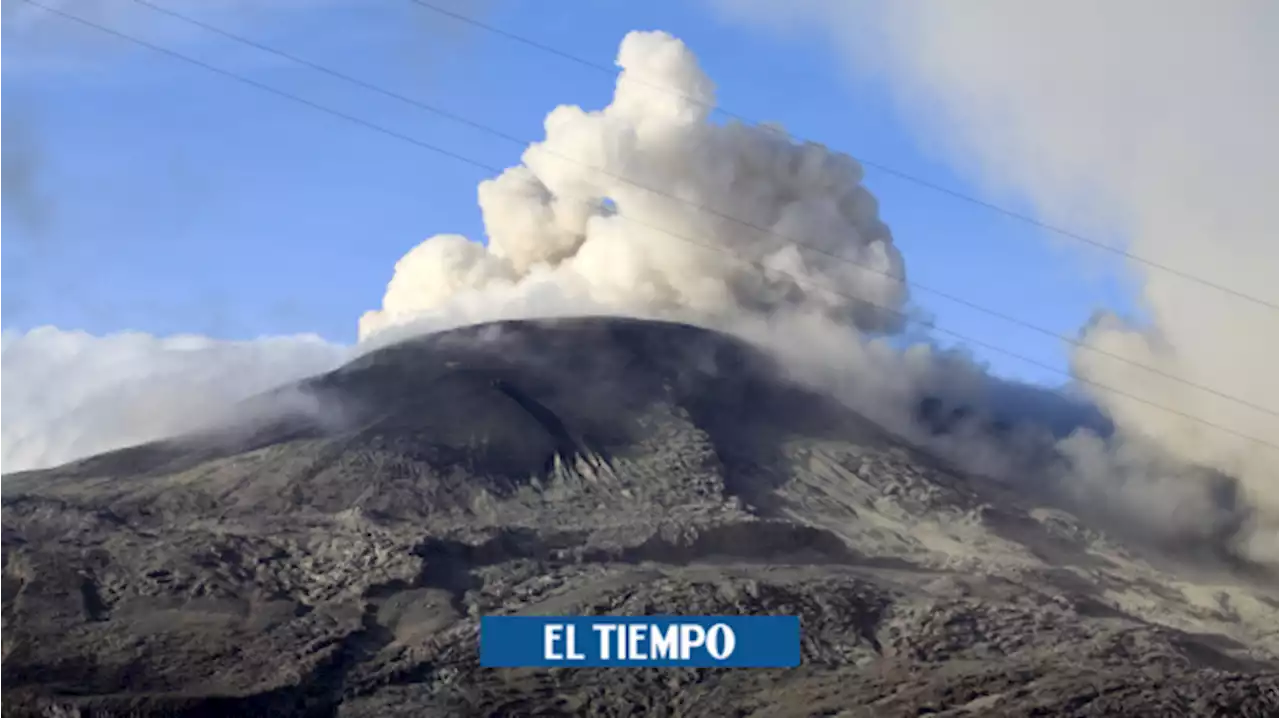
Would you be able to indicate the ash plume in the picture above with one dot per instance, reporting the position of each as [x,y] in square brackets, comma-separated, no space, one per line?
[579,222]
[1154,119]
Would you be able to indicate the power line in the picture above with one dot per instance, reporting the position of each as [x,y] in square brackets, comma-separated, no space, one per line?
[522,142]
[914,179]
[476,163]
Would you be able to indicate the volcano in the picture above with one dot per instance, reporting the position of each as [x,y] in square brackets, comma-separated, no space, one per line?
[336,561]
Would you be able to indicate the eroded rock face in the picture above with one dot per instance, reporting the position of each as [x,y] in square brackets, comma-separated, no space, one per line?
[338,565]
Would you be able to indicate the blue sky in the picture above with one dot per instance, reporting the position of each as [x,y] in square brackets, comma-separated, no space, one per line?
[180,201]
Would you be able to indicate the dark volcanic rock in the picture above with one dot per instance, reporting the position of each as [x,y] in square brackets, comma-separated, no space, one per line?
[336,564]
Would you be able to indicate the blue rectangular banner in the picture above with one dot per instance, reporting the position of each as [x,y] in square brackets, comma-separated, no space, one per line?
[684,641]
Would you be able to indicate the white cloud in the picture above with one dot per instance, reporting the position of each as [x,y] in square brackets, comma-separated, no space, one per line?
[68,394]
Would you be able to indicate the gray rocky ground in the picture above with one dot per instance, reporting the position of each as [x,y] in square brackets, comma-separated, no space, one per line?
[338,567]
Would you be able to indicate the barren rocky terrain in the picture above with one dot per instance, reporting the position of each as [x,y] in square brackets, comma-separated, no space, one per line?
[336,563]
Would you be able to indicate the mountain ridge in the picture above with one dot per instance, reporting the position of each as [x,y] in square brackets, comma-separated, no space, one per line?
[336,562]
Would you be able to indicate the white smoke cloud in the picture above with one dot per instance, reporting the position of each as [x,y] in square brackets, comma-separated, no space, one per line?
[565,230]
[1156,119]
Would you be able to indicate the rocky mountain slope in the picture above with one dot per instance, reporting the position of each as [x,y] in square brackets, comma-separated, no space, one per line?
[337,563]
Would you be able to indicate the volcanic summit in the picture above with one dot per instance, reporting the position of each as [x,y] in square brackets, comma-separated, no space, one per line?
[336,561]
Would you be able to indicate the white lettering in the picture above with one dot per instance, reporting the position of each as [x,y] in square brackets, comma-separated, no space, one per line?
[663,642]
[691,637]
[550,637]
[721,641]
[604,629]
[635,637]
[640,641]
[571,644]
